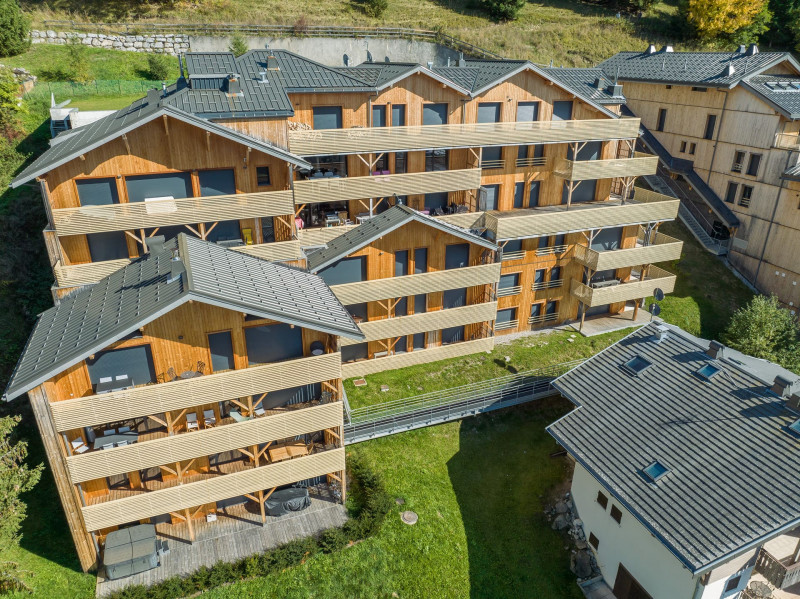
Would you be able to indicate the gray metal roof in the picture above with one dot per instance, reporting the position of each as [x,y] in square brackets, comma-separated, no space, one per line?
[137,114]
[732,462]
[89,320]
[708,69]
[377,227]
[780,91]
[207,63]
[583,81]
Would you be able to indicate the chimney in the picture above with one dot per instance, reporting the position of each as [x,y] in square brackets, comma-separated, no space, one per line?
[668,48]
[615,90]
[781,386]
[234,86]
[598,82]
[262,77]
[461,61]
[176,267]
[180,64]
[153,97]
[752,50]
[155,244]
[793,403]
[272,63]
[729,70]
[163,89]
[662,332]
[448,61]
[651,49]
[742,49]
[715,350]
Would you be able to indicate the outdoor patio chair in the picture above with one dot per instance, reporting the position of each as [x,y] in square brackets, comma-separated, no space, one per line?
[109,431]
[201,367]
[191,422]
[122,443]
[78,446]
[259,411]
[170,376]
[124,429]
[105,379]
[209,417]
[107,446]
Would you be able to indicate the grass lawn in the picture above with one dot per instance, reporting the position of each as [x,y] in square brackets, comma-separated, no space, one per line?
[706,293]
[526,353]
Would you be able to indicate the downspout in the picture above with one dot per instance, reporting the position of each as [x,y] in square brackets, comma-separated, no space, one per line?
[772,220]
[716,139]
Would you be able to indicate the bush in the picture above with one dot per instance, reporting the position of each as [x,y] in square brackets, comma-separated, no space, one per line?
[238,44]
[502,10]
[372,503]
[159,67]
[78,62]
[375,8]
[13,29]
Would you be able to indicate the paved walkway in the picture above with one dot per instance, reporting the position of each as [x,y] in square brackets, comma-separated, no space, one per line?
[597,589]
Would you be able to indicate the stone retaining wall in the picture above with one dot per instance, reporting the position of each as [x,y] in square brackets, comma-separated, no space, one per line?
[157,43]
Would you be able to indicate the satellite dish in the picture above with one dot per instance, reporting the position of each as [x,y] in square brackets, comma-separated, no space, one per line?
[655,309]
[658,293]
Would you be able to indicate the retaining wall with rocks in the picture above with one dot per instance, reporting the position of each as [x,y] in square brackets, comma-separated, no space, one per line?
[157,43]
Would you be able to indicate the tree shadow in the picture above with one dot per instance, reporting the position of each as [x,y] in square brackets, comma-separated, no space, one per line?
[506,366]
[503,476]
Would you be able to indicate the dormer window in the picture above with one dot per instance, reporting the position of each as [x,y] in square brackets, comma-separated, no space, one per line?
[636,365]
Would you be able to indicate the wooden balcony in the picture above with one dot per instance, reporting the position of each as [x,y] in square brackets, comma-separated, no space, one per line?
[661,249]
[340,189]
[433,354]
[190,495]
[94,410]
[312,237]
[164,213]
[781,573]
[359,140]
[787,141]
[581,170]
[424,322]
[635,288]
[546,220]
[223,437]
[428,282]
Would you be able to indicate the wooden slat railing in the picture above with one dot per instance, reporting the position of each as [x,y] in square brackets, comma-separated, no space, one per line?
[76,275]
[634,289]
[581,170]
[662,248]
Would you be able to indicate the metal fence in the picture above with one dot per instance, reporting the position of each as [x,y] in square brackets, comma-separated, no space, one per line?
[451,404]
[69,89]
[273,31]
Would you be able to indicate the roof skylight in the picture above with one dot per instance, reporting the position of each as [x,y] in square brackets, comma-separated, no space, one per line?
[636,365]
[708,372]
[655,470]
[783,86]
[795,427]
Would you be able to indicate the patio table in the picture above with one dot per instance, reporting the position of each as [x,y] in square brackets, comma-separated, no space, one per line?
[130,437]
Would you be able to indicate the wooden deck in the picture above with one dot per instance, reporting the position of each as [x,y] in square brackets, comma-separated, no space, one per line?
[237,533]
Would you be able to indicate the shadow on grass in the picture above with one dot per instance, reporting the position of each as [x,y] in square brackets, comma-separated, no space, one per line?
[503,476]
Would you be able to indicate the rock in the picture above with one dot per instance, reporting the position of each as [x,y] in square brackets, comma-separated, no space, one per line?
[51,34]
[561,508]
[400,501]
[560,523]
[580,544]
[581,564]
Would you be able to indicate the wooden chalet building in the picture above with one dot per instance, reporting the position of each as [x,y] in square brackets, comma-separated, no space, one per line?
[194,379]
[726,125]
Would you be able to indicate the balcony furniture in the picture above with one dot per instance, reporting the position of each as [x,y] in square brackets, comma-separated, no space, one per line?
[287,500]
[285,451]
[602,284]
[191,422]
[237,416]
[760,589]
[212,517]
[317,175]
[231,243]
[201,367]
[331,219]
[130,551]
[247,236]
[109,431]
[109,384]
[124,429]
[162,548]
[209,418]
[78,446]
[170,376]
[115,439]
[317,348]
[259,411]
[325,397]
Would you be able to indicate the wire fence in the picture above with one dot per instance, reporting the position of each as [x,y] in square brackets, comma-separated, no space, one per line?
[451,404]
[71,89]
[436,37]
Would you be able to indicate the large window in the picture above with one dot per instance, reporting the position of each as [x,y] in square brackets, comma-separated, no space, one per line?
[398,115]
[452,335]
[506,316]
[434,114]
[221,348]
[379,116]
[562,110]
[419,341]
[589,151]
[142,187]
[454,298]
[217,182]
[346,270]
[420,303]
[435,201]
[509,284]
[456,256]
[527,111]
[607,239]
[584,192]
[533,195]
[112,245]
[711,124]
[436,160]
[519,194]
[273,343]
[489,112]
[420,260]
[401,263]
[492,157]
[327,117]
[97,192]
[488,197]
[134,362]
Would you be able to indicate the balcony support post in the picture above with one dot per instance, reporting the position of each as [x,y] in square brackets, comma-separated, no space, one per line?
[796,554]
[583,316]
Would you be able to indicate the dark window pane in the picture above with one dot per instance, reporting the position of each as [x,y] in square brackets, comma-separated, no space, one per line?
[452,335]
[221,347]
[419,341]
[533,195]
[555,273]
[97,192]
[711,124]
[327,117]
[436,160]
[560,239]
[226,230]
[400,162]
[434,114]
[456,256]
[538,276]
[538,151]
[398,115]
[140,187]
[346,270]
[262,176]
[562,110]
[273,343]
[509,280]
[420,260]
[730,195]
[506,315]
[420,303]
[107,246]
[435,200]
[488,197]
[351,353]
[358,310]
[536,309]
[217,182]
[544,241]
[379,116]
[552,307]
[589,151]
[401,345]
[519,195]
[755,161]
[168,232]
[607,239]
[454,298]
[136,362]
[401,263]
[489,112]
[527,111]
[662,118]
[401,308]
[581,194]
[492,154]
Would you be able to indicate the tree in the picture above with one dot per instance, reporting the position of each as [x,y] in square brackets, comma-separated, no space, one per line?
[375,8]
[15,478]
[13,29]
[10,127]
[502,10]
[763,329]
[727,19]
[160,67]
[238,44]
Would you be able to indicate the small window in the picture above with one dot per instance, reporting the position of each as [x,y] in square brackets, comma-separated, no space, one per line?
[636,365]
[708,372]
[733,584]
[655,470]
[662,119]
[379,116]
[752,167]
[738,162]
[711,124]
[730,195]
[616,513]
[747,194]
[668,86]
[692,147]
[602,499]
[593,540]
[699,89]
[262,176]
[683,146]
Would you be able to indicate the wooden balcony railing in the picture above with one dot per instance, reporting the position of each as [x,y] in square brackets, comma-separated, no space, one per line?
[358,140]
[580,217]
[554,284]
[380,186]
[661,249]
[428,282]
[636,288]
[541,161]
[164,213]
[506,291]
[504,326]
[424,322]
[543,318]
[223,437]
[776,571]
[94,410]
[76,275]
[580,170]
[189,495]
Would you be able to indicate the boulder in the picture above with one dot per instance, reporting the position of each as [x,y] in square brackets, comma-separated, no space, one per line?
[560,523]
[581,564]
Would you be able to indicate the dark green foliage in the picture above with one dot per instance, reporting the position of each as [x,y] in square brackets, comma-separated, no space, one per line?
[371,504]
[77,62]
[238,44]
[160,67]
[784,29]
[13,29]
[375,8]
[502,10]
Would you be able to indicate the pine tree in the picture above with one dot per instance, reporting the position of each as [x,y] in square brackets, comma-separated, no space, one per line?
[13,29]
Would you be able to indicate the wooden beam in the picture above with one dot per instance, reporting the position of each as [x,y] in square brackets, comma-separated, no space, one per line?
[208,140]
[330,430]
[189,524]
[166,124]
[127,145]
[196,232]
[211,228]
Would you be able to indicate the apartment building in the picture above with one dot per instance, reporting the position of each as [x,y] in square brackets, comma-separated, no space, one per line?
[684,451]
[725,124]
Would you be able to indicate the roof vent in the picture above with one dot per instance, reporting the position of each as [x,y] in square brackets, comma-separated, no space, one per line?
[233,85]
[176,267]
[651,49]
[742,49]
[662,332]
[430,64]
[153,97]
[615,90]
[668,48]
[461,61]
[369,56]
[780,386]
[793,403]
[448,61]
[155,244]
[272,63]
[598,82]
[729,70]
[263,77]
[752,50]
[715,350]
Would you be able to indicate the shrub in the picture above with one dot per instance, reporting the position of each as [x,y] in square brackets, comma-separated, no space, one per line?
[238,44]
[13,29]
[300,27]
[375,8]
[159,67]
[78,61]
[502,10]
[333,540]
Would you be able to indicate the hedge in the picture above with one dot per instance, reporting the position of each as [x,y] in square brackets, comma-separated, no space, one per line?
[370,505]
